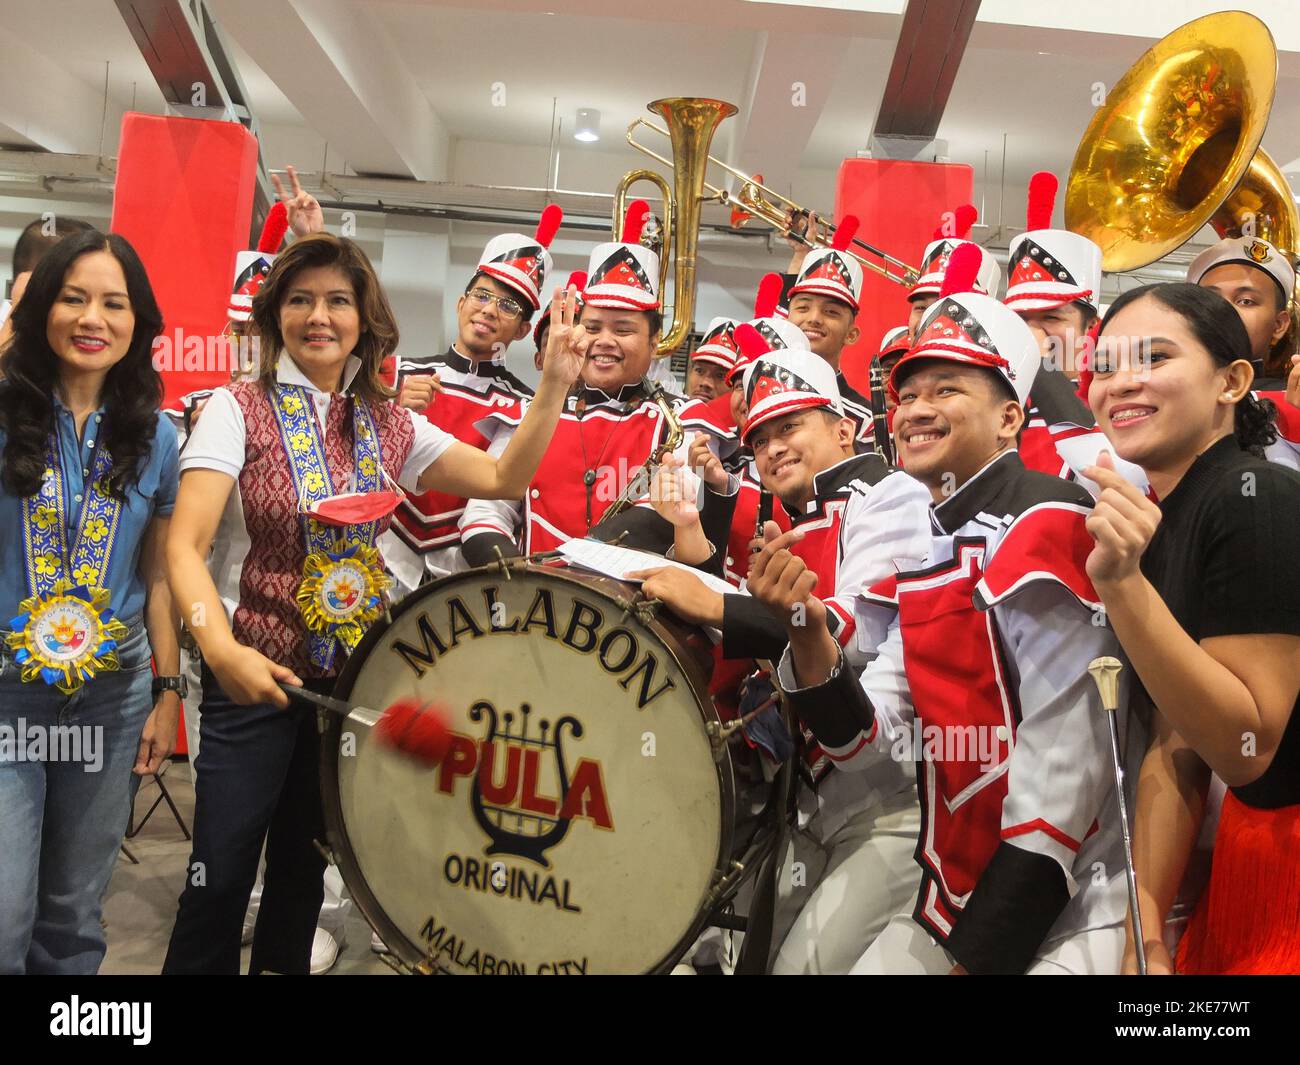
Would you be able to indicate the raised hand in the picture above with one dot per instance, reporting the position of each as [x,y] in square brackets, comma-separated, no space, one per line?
[1122,523]
[671,496]
[566,342]
[784,584]
[707,465]
[305,214]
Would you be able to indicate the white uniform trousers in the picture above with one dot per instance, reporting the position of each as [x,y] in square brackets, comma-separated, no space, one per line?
[836,894]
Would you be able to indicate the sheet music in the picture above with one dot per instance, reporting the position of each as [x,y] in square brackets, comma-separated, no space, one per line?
[618,562]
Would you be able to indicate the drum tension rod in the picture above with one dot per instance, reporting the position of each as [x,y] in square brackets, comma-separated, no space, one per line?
[325,852]
[722,731]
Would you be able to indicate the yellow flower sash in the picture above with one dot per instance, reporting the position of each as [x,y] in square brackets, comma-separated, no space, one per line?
[342,587]
[65,631]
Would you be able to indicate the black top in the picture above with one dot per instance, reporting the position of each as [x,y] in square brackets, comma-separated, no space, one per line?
[1224,561]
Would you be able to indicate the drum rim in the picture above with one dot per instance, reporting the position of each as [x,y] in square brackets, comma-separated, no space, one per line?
[331,728]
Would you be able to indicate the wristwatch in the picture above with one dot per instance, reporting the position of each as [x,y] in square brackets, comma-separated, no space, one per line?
[179,685]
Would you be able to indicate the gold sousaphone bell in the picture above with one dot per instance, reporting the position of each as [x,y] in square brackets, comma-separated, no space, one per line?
[1176,146]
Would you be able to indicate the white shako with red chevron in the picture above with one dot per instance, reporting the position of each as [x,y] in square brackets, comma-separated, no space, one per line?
[951,233]
[624,274]
[982,650]
[966,326]
[425,534]
[523,262]
[832,271]
[1050,267]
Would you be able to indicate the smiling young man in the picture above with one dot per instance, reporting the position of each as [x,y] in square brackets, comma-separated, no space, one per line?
[459,390]
[609,426]
[857,831]
[982,654]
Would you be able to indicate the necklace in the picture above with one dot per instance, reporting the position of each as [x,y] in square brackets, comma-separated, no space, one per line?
[589,476]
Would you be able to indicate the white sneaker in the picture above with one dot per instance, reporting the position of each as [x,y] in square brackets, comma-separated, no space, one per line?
[324,952]
[377,944]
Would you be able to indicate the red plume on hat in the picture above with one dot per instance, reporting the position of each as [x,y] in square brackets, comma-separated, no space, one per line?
[769,295]
[750,341]
[963,268]
[1042,200]
[845,232]
[578,280]
[634,221]
[274,228]
[963,218]
[548,224]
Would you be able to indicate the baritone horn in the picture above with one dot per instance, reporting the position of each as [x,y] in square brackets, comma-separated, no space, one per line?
[692,121]
[1176,146]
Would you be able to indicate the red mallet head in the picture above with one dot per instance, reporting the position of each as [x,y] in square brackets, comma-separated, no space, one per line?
[419,730]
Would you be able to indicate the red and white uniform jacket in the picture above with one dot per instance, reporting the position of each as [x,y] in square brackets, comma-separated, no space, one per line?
[600,443]
[980,673]
[425,535]
[863,522]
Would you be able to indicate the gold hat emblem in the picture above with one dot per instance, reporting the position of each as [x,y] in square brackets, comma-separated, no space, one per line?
[1259,251]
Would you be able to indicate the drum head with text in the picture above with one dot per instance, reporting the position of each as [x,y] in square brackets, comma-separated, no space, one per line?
[576,823]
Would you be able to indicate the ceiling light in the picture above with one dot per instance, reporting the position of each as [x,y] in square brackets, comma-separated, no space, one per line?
[586,127]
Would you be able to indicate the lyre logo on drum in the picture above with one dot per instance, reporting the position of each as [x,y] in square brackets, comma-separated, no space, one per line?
[510,805]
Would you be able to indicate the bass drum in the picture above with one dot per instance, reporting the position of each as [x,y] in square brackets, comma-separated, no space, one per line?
[583,820]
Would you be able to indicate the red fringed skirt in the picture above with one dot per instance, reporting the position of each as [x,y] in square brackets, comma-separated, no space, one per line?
[1248,920]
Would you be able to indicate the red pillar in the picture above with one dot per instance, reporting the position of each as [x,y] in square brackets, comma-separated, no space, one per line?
[184,199]
[899,205]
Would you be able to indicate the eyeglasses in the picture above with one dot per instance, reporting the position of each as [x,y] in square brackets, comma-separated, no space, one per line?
[509,308]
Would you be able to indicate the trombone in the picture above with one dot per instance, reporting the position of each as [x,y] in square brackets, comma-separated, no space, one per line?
[755,198]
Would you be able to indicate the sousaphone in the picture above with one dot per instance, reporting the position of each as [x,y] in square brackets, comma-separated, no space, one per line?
[1176,146]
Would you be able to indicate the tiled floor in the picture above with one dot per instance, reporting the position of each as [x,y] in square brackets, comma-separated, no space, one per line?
[140,905]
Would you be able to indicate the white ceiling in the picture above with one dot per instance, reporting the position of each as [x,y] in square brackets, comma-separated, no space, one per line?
[406,87]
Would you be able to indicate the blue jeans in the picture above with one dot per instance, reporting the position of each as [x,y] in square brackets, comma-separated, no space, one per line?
[63,812]
[257,778]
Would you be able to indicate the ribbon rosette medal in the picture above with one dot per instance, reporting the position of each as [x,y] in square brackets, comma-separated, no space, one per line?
[67,637]
[66,633]
[340,592]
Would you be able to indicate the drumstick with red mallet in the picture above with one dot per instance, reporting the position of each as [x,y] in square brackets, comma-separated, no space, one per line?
[419,730]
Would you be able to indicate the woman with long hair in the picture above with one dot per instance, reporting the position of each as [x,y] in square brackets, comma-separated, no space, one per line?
[1204,594]
[261,464]
[88,479]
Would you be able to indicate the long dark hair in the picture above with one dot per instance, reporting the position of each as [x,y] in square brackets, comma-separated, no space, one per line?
[1218,328]
[132,389]
[379,335]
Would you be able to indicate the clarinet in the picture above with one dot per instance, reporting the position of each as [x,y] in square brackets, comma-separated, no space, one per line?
[880,414]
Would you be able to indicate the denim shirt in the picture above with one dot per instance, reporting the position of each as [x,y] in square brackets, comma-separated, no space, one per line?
[154,493]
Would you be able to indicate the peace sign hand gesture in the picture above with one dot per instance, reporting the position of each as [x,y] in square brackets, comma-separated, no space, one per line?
[305,214]
[566,343]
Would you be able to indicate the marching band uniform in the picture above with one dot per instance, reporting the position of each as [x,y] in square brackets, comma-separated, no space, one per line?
[857,831]
[993,629]
[600,443]
[425,540]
